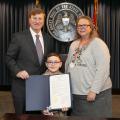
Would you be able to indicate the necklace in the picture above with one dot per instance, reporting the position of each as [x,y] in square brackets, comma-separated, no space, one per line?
[76,57]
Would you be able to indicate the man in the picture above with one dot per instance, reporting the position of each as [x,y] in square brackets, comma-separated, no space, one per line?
[23,58]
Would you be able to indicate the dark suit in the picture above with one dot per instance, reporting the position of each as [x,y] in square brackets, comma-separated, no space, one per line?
[22,55]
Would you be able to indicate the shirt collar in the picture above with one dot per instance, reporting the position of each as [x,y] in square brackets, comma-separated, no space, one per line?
[34,33]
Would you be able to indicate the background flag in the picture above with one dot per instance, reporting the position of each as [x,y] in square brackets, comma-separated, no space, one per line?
[95,12]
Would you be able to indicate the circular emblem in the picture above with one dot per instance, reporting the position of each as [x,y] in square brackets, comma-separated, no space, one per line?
[61,21]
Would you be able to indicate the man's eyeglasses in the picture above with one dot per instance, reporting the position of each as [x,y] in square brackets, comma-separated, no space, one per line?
[82,26]
[53,62]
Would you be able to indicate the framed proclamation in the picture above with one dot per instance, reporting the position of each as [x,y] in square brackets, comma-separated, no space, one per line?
[44,91]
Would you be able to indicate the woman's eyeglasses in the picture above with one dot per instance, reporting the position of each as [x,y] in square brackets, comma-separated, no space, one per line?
[82,26]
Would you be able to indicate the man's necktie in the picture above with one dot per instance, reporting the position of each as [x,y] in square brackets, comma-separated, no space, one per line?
[39,49]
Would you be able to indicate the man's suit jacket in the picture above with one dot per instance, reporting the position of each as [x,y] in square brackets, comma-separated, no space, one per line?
[22,54]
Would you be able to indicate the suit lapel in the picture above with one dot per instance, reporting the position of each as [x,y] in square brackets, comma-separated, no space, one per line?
[32,45]
[45,43]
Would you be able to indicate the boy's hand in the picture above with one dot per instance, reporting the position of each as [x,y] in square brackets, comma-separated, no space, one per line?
[46,112]
[64,109]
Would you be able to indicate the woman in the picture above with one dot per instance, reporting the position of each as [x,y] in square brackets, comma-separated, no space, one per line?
[88,63]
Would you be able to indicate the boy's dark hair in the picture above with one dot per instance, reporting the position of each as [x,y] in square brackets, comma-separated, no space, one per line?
[54,54]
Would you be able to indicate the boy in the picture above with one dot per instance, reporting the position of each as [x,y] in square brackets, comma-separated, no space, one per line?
[53,64]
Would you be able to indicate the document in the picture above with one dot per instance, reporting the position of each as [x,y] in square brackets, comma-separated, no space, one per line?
[51,92]
[60,91]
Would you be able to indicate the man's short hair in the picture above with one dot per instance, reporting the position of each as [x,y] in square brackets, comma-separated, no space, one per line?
[35,11]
